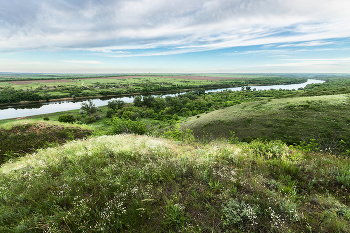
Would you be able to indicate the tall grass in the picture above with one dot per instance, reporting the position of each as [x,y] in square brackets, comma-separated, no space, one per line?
[145,184]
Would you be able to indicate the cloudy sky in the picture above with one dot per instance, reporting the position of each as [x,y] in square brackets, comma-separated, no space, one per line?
[215,36]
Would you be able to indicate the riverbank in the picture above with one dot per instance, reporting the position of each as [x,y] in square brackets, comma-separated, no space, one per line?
[101,97]
[65,104]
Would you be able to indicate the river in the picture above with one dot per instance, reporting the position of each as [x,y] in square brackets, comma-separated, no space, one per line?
[16,111]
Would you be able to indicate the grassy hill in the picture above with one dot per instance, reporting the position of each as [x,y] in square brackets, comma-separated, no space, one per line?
[143,184]
[322,118]
[20,137]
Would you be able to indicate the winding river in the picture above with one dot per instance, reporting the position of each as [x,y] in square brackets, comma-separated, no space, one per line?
[16,111]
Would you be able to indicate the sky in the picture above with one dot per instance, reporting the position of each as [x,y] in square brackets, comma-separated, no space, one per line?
[178,36]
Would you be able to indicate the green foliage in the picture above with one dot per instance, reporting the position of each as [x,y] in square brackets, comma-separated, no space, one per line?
[177,134]
[110,113]
[342,175]
[120,125]
[46,119]
[138,101]
[90,119]
[311,146]
[115,104]
[175,216]
[239,214]
[270,149]
[233,138]
[67,118]
[89,107]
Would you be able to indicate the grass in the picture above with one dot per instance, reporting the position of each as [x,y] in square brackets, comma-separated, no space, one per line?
[322,118]
[144,184]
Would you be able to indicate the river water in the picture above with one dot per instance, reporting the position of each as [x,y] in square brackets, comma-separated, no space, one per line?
[16,111]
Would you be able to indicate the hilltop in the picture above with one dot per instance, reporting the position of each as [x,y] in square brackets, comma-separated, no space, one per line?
[146,184]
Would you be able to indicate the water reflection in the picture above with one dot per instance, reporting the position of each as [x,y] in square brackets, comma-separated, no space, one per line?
[15,111]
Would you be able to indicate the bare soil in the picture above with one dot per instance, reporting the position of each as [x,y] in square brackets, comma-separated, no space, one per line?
[40,81]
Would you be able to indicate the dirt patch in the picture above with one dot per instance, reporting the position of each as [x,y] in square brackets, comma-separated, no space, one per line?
[174,77]
[40,81]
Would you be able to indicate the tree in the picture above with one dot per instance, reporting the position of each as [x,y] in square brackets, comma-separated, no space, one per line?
[138,101]
[89,107]
[115,104]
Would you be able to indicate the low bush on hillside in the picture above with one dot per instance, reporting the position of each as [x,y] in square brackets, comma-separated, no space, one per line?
[66,118]
[121,125]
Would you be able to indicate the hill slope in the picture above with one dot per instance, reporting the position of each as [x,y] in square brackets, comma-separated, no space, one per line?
[323,118]
[144,184]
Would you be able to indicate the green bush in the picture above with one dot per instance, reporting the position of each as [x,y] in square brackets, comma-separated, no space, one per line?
[343,176]
[120,125]
[115,104]
[68,118]
[89,119]
[269,149]
[239,214]
[177,134]
[175,216]
[109,113]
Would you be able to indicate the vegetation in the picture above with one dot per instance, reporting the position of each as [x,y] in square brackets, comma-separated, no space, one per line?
[245,161]
[13,91]
[145,184]
[315,123]
[22,138]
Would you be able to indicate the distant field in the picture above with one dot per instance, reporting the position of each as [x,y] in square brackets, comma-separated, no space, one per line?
[214,78]
[39,81]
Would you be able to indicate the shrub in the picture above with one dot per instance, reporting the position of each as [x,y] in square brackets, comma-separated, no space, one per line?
[46,119]
[115,104]
[129,115]
[175,216]
[269,149]
[179,135]
[239,214]
[127,126]
[343,176]
[109,113]
[233,138]
[68,118]
[89,119]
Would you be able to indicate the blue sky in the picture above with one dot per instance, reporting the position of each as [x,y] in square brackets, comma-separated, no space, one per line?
[178,36]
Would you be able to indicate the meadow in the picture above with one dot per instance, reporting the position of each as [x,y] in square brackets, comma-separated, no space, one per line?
[321,120]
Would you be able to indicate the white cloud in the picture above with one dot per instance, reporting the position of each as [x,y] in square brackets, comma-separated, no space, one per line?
[317,64]
[84,62]
[306,44]
[114,27]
